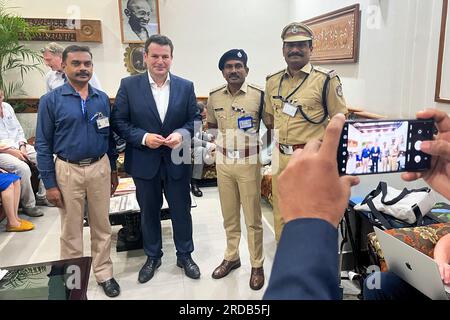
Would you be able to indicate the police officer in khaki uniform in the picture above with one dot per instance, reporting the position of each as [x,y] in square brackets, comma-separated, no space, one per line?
[300,99]
[235,110]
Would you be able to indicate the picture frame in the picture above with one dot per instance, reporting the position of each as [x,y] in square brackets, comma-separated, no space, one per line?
[442,89]
[336,36]
[134,58]
[139,19]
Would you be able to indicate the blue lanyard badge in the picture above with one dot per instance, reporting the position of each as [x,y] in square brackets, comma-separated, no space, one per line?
[83,107]
[245,123]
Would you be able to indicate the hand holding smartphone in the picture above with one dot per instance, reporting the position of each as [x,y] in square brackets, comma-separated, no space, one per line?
[384,146]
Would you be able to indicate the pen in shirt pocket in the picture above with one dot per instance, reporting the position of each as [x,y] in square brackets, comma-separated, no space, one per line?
[96,115]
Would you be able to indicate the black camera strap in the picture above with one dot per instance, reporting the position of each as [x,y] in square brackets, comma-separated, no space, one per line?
[324,98]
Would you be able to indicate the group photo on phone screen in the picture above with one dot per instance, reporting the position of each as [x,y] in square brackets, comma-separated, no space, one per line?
[376,147]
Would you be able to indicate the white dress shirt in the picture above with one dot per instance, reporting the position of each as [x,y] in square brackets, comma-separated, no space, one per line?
[55,79]
[11,132]
[161,96]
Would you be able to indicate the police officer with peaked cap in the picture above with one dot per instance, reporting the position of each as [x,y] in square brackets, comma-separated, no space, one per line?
[300,101]
[235,110]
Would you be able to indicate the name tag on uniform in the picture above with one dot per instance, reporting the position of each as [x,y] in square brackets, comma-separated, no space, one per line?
[289,109]
[102,122]
[245,123]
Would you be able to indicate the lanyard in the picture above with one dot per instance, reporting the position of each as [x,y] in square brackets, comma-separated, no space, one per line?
[279,96]
[83,107]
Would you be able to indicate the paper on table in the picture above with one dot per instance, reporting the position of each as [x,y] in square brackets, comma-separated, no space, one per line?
[124,203]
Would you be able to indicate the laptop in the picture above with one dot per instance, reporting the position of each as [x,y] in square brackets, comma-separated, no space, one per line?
[416,268]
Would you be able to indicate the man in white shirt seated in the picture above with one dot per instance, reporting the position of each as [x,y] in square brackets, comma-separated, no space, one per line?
[52,54]
[15,154]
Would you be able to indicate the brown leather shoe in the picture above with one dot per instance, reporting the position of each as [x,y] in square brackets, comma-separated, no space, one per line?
[257,278]
[225,268]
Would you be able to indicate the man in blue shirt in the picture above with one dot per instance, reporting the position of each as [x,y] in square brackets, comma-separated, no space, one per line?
[365,156]
[73,124]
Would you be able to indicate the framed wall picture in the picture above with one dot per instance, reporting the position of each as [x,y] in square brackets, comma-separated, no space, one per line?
[442,91]
[336,36]
[139,19]
[134,58]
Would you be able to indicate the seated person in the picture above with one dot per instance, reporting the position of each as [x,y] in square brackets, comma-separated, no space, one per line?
[15,154]
[202,147]
[10,194]
[392,287]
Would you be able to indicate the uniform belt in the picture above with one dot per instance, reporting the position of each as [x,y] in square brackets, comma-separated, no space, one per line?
[289,149]
[82,162]
[238,154]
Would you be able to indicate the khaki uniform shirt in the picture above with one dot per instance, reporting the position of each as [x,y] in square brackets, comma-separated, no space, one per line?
[224,110]
[297,130]
[393,150]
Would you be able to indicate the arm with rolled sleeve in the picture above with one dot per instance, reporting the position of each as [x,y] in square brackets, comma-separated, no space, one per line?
[44,142]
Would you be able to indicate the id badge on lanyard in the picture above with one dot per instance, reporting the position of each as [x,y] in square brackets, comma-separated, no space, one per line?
[245,123]
[289,109]
[102,122]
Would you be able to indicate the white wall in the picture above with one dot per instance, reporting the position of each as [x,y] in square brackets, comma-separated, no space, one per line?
[396,72]
[201,30]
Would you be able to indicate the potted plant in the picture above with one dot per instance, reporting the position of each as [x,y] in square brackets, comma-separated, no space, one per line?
[15,58]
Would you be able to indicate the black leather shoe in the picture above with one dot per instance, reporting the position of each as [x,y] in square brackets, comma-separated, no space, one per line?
[191,269]
[148,270]
[196,190]
[111,288]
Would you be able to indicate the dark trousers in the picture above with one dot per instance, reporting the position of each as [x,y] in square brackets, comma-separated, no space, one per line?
[149,196]
[374,164]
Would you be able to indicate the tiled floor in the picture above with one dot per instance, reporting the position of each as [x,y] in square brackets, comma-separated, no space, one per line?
[169,282]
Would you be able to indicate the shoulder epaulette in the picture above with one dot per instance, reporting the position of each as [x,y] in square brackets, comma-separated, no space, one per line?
[254,86]
[330,73]
[273,74]
[218,88]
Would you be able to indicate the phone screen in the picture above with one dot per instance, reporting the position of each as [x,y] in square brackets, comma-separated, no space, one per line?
[384,146]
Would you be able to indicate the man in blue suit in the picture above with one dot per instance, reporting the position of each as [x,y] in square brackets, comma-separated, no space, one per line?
[155,113]
[312,200]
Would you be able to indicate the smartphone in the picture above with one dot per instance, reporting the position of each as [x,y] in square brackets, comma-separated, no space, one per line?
[384,146]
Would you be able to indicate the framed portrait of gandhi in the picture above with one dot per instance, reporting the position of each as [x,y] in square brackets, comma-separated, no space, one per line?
[139,19]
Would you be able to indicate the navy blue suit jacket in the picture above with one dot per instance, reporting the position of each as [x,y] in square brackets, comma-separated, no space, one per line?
[306,262]
[135,113]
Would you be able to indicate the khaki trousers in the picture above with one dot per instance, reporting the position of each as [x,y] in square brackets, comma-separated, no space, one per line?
[393,165]
[240,184]
[76,183]
[279,163]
